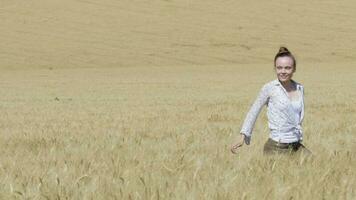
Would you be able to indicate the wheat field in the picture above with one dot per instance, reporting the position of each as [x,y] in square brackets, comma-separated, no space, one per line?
[142,99]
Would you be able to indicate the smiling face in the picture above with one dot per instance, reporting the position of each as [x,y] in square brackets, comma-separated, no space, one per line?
[284,67]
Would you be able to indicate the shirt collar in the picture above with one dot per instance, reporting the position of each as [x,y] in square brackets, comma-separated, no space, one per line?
[276,82]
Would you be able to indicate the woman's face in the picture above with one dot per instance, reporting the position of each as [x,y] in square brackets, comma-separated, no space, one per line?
[284,68]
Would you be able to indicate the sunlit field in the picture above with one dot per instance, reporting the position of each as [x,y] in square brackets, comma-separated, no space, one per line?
[165,133]
[142,99]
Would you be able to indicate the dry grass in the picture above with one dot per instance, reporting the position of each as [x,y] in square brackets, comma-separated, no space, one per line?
[141,99]
[165,133]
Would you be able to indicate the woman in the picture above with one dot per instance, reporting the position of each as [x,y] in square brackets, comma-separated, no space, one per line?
[285,110]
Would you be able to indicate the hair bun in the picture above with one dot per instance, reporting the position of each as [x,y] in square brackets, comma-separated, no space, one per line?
[283,50]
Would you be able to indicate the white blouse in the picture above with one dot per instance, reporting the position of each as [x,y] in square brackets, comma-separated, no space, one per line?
[284,116]
[297,107]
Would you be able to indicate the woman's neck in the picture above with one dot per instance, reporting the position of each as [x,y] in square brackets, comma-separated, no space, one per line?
[288,85]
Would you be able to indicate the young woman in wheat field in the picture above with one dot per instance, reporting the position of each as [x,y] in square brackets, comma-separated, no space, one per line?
[284,99]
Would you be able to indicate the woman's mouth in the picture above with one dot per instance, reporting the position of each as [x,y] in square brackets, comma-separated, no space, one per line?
[283,78]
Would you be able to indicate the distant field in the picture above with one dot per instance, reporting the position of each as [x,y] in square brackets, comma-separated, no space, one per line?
[111,33]
[142,99]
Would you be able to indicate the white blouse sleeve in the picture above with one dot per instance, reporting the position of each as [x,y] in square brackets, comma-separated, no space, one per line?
[302,113]
[253,113]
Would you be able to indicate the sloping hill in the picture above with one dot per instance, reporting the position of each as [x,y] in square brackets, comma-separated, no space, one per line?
[89,33]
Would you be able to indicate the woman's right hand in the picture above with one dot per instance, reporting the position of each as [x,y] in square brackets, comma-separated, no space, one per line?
[238,143]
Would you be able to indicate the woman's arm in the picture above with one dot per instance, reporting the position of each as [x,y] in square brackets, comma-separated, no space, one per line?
[253,113]
[247,127]
[302,113]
